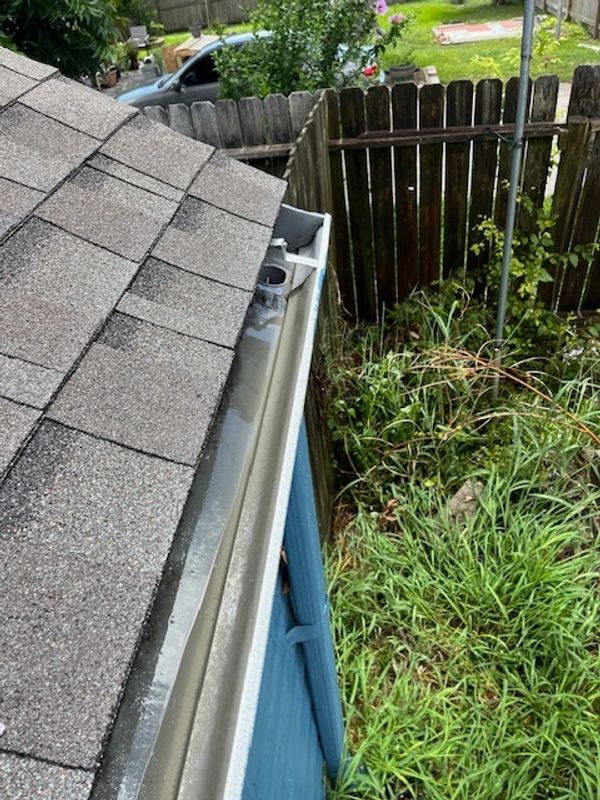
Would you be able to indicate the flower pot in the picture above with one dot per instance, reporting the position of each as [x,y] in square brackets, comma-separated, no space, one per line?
[110,78]
[400,74]
[196,31]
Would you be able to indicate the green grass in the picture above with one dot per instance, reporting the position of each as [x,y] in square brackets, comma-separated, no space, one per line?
[454,62]
[180,36]
[467,645]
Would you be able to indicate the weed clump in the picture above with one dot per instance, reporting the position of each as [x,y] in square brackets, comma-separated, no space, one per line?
[467,642]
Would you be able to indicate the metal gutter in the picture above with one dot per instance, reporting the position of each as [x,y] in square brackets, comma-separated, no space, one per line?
[185,726]
[223,726]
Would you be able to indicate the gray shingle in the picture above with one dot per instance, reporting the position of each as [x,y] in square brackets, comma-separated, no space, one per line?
[186,303]
[12,85]
[16,202]
[78,106]
[85,529]
[15,424]
[129,175]
[27,383]
[147,388]
[56,290]
[24,65]
[108,212]
[28,779]
[38,151]
[236,187]
[215,244]
[156,150]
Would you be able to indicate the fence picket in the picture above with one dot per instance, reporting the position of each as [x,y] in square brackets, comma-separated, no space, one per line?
[352,112]
[584,232]
[488,99]
[431,115]
[404,117]
[228,120]
[180,120]
[300,105]
[277,115]
[539,151]
[509,114]
[566,195]
[378,119]
[204,120]
[343,264]
[459,112]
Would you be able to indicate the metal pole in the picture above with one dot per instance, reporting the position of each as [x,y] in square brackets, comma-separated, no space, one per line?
[559,18]
[515,172]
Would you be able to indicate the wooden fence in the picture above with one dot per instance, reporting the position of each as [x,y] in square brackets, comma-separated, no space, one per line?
[178,15]
[260,131]
[412,172]
[585,11]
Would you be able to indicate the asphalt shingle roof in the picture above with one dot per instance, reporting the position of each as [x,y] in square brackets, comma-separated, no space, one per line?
[126,278]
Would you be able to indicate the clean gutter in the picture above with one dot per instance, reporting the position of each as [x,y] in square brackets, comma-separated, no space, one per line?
[186,723]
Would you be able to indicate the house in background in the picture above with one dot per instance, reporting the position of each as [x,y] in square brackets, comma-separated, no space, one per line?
[157,312]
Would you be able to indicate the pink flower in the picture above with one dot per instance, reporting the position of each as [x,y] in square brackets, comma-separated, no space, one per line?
[381,7]
[370,71]
[397,19]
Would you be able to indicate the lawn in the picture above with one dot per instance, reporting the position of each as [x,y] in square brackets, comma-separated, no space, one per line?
[483,59]
[180,36]
[467,633]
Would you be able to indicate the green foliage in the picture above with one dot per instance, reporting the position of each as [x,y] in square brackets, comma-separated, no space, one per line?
[454,62]
[311,42]
[545,50]
[467,643]
[74,35]
[137,12]
[533,255]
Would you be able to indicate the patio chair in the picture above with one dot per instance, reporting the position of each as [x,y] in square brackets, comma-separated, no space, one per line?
[138,34]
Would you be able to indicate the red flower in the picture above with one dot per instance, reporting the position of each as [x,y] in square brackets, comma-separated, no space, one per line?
[370,71]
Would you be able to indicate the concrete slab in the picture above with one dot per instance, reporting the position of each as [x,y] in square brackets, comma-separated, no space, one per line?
[463,33]
[146,388]
[85,528]
[56,291]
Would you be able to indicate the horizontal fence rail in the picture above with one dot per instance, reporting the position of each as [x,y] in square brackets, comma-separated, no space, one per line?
[409,174]
[258,131]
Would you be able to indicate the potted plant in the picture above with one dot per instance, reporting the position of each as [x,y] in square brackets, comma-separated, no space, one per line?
[405,67]
[132,53]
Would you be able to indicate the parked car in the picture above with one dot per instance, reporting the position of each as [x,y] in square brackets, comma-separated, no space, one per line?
[197,79]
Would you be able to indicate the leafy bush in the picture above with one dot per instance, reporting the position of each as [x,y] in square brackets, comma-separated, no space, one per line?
[74,35]
[311,42]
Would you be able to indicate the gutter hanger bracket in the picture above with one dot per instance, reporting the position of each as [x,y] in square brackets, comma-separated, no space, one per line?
[306,633]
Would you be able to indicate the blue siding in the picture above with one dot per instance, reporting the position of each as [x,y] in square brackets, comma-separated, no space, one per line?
[285,760]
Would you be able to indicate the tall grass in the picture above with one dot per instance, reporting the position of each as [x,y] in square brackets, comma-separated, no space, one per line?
[467,644]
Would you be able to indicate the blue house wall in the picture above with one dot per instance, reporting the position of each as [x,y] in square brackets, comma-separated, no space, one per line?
[298,732]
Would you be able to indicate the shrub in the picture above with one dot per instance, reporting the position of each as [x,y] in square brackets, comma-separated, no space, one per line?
[74,35]
[310,45]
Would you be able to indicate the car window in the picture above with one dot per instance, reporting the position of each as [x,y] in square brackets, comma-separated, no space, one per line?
[203,71]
